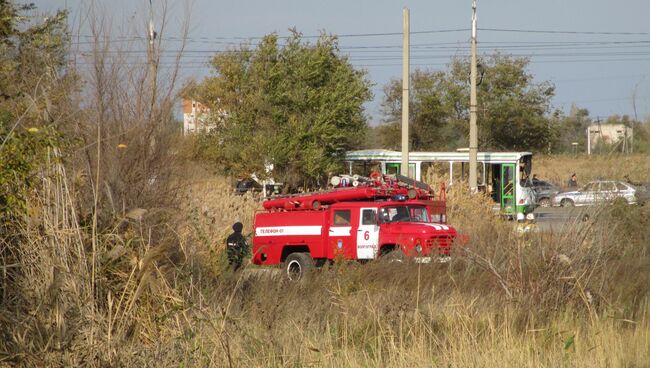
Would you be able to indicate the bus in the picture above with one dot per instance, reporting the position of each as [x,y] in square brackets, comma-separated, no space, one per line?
[502,175]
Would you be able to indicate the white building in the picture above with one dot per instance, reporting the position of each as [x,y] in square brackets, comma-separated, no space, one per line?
[194,117]
[610,134]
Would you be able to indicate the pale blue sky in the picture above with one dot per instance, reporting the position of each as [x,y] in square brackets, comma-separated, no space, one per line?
[596,70]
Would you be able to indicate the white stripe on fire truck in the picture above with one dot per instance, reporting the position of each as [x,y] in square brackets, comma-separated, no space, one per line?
[439,226]
[340,230]
[288,230]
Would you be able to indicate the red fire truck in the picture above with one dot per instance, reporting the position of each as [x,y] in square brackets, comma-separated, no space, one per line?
[378,217]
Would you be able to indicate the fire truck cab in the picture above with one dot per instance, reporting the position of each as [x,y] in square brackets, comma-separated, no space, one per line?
[361,223]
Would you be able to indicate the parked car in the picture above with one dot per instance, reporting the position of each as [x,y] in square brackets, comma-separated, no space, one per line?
[244,185]
[251,185]
[544,192]
[642,190]
[642,193]
[597,192]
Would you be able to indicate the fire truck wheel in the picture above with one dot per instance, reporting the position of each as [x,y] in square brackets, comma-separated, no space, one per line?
[395,255]
[297,265]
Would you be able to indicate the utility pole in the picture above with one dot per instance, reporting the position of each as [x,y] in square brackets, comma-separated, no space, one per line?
[473,134]
[151,59]
[404,170]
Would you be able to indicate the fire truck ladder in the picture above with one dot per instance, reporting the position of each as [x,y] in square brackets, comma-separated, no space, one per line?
[372,189]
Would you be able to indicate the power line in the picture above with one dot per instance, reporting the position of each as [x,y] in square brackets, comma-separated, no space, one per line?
[242,38]
[516,55]
[364,63]
[376,34]
[600,77]
[207,55]
[597,100]
[634,45]
[564,32]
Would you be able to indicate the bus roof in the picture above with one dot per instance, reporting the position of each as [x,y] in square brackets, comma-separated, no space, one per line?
[396,156]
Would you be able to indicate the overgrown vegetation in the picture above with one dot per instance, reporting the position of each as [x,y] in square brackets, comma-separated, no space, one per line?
[81,163]
[111,250]
[514,112]
[34,93]
[559,168]
[575,298]
[290,103]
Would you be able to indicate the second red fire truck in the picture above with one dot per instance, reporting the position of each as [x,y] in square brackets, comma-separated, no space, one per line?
[380,216]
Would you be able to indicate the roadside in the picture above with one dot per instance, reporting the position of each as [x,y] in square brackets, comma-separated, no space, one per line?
[558,219]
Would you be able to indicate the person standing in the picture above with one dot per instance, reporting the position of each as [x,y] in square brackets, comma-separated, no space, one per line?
[573,182]
[236,247]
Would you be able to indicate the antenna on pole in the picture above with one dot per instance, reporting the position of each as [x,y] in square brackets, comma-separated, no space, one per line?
[473,131]
[151,59]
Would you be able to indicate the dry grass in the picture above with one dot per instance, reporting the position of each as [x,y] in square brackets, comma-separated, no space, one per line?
[558,169]
[576,298]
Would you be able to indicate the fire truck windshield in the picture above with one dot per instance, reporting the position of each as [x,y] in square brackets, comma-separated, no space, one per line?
[403,213]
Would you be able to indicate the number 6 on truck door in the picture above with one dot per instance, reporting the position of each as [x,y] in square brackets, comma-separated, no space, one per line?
[367,234]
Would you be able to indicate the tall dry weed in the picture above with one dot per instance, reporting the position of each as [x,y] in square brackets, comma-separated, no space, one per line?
[209,209]
[558,169]
[48,297]
[576,297]
[538,299]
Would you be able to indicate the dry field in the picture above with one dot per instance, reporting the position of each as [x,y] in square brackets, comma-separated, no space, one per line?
[574,299]
[558,169]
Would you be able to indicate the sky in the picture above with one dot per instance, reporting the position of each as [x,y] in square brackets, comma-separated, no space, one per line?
[595,52]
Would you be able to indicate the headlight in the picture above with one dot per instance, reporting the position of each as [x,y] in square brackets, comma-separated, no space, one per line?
[418,248]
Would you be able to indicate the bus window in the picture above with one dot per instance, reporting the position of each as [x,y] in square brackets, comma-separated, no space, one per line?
[363,168]
[434,173]
[460,171]
[527,165]
[508,180]
[392,169]
[395,169]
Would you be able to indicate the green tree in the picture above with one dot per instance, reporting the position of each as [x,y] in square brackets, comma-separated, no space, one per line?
[641,141]
[34,93]
[298,106]
[511,107]
[572,128]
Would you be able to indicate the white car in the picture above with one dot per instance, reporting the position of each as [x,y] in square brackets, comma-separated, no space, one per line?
[597,192]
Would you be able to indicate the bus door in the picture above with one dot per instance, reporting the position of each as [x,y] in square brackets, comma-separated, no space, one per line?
[495,183]
[508,199]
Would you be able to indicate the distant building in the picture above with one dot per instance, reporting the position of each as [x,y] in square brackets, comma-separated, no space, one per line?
[610,134]
[194,117]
